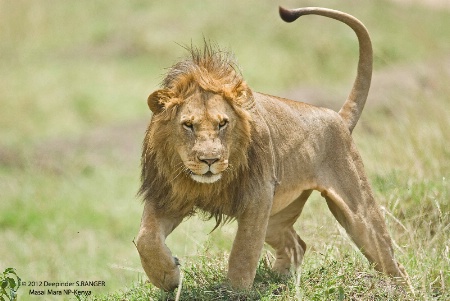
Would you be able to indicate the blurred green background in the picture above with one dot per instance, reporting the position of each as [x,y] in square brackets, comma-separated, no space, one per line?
[74,78]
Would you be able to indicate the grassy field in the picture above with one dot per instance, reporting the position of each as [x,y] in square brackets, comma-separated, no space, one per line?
[74,77]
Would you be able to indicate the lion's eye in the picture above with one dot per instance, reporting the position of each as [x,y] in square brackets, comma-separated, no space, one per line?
[188,125]
[223,123]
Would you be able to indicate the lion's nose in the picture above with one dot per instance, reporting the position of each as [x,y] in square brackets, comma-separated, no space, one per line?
[209,161]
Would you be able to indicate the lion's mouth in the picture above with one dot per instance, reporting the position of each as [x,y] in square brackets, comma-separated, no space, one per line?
[207,177]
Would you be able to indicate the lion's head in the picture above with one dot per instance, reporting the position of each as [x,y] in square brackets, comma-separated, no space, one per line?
[197,141]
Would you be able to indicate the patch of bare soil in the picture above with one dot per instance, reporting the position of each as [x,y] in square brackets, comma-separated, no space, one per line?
[408,79]
[120,144]
[8,157]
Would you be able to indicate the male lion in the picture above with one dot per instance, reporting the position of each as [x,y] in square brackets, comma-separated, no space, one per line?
[215,145]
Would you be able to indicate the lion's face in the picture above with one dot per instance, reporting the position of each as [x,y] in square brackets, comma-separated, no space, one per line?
[201,127]
[204,126]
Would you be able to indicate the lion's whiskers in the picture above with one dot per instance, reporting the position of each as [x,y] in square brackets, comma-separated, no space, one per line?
[180,169]
[178,166]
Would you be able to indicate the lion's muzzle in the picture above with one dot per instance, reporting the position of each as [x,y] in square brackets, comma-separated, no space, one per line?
[208,169]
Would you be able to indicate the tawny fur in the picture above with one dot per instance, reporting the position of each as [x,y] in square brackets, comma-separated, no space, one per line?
[214,145]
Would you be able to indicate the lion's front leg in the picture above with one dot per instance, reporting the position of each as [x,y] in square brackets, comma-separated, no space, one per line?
[157,260]
[248,244]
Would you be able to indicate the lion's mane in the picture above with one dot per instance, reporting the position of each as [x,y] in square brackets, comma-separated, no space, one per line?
[163,180]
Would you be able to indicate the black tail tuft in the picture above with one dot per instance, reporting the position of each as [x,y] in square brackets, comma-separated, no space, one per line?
[288,15]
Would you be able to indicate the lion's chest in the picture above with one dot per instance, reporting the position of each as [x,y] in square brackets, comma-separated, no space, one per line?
[217,205]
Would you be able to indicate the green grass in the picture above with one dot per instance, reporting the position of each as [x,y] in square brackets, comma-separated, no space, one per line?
[347,279]
[74,78]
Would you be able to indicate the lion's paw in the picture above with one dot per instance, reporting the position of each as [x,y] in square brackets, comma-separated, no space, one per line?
[170,277]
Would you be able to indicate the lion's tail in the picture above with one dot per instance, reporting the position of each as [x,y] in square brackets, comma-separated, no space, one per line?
[353,106]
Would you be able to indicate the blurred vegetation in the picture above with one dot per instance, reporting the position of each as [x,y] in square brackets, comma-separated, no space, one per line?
[74,77]
[92,62]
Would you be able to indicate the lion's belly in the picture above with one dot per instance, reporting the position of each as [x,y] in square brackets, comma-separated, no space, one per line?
[284,197]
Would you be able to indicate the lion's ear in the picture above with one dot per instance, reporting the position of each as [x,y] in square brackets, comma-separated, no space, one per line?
[245,97]
[156,101]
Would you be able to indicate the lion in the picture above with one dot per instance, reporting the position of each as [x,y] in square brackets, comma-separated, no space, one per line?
[214,145]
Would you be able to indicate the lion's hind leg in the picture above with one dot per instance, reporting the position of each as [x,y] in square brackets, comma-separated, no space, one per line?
[349,197]
[281,236]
